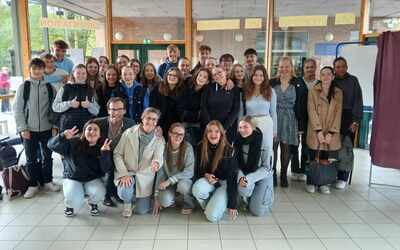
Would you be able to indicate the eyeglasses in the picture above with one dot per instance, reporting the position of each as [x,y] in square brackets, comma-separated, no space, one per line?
[177,134]
[116,110]
[173,75]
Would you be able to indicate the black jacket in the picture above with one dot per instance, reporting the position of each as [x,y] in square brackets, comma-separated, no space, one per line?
[227,170]
[80,166]
[220,104]
[104,125]
[104,94]
[168,106]
[352,101]
[300,107]
[189,104]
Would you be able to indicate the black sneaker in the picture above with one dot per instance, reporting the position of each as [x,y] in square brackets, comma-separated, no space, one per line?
[119,200]
[69,212]
[94,210]
[109,202]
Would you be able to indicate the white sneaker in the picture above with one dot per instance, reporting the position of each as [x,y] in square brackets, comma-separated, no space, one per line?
[127,211]
[324,190]
[340,184]
[31,192]
[310,188]
[52,187]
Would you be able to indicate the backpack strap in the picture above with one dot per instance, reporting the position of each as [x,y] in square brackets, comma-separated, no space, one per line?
[27,91]
[50,93]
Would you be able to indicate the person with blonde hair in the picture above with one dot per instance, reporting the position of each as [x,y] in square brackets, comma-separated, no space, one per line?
[291,95]
[255,186]
[215,186]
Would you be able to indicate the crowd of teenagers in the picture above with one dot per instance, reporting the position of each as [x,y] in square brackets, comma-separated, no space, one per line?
[207,136]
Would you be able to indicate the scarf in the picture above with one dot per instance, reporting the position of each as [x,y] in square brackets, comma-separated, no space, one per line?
[254,141]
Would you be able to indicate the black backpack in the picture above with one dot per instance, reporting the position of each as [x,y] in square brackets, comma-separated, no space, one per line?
[8,154]
[27,90]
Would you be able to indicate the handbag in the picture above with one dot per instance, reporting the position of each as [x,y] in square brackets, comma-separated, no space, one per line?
[15,179]
[321,172]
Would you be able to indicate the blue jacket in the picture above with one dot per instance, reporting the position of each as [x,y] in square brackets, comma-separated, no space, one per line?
[134,98]
[163,68]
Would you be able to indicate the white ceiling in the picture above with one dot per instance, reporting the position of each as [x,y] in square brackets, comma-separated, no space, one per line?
[205,9]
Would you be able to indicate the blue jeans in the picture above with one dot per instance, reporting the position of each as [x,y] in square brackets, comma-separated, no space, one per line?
[74,192]
[213,200]
[38,158]
[128,195]
[261,195]
[167,196]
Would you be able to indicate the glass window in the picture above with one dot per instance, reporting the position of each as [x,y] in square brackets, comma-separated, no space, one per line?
[229,27]
[304,29]
[384,15]
[9,78]
[80,24]
[148,20]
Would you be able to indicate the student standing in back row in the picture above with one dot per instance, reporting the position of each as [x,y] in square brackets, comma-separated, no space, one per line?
[291,112]
[299,168]
[32,112]
[204,54]
[351,117]
[60,49]
[171,62]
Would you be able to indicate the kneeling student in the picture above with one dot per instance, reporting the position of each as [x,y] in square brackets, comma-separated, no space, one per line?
[255,175]
[85,162]
[177,173]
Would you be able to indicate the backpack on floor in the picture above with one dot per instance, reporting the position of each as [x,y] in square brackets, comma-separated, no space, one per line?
[8,155]
[15,179]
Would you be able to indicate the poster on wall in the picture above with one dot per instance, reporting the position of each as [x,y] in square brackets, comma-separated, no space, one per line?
[97,52]
[76,55]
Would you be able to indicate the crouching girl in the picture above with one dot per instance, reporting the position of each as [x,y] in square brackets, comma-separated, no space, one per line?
[255,175]
[216,174]
[85,162]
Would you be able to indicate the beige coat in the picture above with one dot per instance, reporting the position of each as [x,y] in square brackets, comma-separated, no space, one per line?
[324,116]
[126,159]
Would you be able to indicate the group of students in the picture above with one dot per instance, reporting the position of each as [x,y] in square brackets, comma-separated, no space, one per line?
[140,135]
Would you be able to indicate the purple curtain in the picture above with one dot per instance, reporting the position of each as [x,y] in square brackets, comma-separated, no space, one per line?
[385,139]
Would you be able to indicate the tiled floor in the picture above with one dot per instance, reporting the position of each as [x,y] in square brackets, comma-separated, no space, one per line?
[358,218]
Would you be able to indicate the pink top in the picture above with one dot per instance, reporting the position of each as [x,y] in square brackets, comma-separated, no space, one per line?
[4,81]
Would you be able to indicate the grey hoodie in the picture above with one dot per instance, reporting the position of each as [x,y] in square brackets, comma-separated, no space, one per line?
[37,108]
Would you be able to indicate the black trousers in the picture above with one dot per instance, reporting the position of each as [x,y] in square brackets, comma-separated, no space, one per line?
[38,158]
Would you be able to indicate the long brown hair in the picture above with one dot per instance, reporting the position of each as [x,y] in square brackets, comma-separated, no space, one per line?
[265,88]
[94,78]
[149,83]
[221,147]
[197,73]
[182,149]
[105,84]
[164,86]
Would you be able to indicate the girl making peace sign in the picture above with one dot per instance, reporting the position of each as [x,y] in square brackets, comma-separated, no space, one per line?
[85,161]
